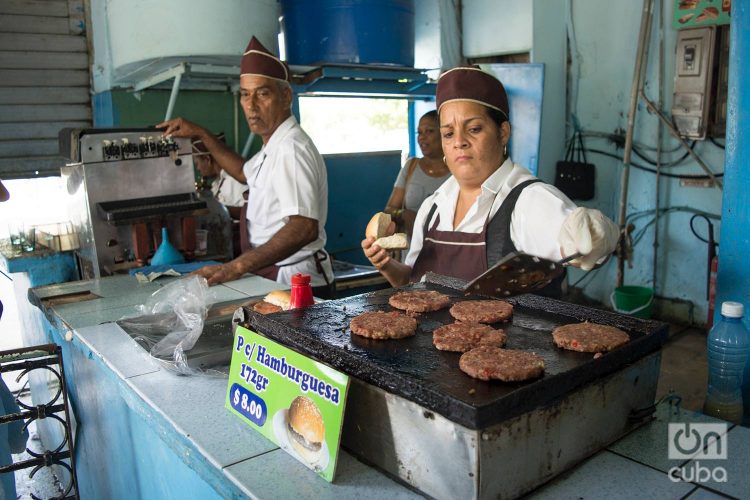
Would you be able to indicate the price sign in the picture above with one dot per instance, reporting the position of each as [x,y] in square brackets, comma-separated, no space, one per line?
[296,402]
[249,405]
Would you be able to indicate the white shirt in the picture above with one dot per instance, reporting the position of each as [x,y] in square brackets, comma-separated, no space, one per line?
[536,221]
[288,177]
[227,190]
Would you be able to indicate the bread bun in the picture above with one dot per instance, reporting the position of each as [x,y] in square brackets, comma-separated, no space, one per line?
[378,225]
[305,428]
[279,298]
[264,307]
[378,228]
[397,241]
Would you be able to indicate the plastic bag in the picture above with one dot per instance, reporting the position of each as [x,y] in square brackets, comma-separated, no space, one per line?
[171,322]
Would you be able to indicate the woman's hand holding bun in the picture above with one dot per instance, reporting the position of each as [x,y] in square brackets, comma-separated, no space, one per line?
[380,237]
[377,256]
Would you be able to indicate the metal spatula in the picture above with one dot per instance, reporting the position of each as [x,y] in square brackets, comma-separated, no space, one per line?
[517,273]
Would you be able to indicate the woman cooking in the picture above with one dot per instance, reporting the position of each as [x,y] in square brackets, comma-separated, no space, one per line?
[491,206]
[419,177]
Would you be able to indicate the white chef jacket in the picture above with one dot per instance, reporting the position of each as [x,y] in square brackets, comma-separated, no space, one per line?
[288,177]
[227,190]
[535,224]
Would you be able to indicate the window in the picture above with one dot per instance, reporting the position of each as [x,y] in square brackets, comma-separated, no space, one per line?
[352,125]
[33,202]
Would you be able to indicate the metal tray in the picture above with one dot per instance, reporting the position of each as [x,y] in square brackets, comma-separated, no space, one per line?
[414,369]
[124,211]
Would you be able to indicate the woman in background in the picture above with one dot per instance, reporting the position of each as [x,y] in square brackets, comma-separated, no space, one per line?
[419,177]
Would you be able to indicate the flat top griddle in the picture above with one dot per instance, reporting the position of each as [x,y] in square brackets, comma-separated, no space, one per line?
[414,369]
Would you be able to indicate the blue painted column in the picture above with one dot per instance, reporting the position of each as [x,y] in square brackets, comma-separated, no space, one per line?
[734,251]
[413,124]
[103,109]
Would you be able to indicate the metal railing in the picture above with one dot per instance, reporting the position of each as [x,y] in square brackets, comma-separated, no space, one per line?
[43,357]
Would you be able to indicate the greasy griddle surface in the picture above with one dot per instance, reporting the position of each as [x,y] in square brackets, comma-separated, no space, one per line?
[414,369]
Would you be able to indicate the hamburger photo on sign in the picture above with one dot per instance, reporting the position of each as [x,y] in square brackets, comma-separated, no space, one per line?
[300,430]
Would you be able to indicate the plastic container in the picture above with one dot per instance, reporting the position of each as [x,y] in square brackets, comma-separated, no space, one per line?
[728,351]
[166,253]
[175,30]
[201,241]
[301,294]
[633,300]
[348,31]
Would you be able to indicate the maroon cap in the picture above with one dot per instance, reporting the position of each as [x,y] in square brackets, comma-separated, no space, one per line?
[469,83]
[200,149]
[257,60]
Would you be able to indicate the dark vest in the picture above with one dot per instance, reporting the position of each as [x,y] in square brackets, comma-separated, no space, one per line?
[498,242]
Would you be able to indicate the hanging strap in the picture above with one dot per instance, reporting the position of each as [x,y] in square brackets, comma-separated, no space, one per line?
[411,167]
[581,149]
[569,150]
[576,152]
[427,219]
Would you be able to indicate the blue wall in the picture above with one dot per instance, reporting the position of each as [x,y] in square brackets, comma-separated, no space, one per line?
[606,36]
[359,186]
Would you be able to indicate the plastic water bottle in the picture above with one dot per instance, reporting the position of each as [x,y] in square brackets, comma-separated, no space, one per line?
[301,294]
[728,351]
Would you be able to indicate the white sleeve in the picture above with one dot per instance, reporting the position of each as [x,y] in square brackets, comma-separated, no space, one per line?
[231,191]
[296,182]
[417,236]
[537,218]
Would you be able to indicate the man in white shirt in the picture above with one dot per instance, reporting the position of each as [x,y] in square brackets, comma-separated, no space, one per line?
[226,189]
[288,186]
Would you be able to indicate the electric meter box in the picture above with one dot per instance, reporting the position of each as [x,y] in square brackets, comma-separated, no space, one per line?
[693,81]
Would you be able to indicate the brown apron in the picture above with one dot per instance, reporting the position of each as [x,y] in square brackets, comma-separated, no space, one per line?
[467,255]
[452,253]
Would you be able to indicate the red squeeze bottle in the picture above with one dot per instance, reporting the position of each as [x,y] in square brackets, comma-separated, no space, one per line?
[301,295]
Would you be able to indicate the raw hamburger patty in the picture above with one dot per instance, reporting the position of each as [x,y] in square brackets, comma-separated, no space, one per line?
[419,301]
[482,311]
[264,307]
[462,337]
[383,325]
[488,362]
[589,337]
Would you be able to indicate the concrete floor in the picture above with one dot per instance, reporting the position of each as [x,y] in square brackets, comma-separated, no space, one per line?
[684,366]
[44,484]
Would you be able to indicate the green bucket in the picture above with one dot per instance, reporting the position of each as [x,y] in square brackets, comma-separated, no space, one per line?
[633,300]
